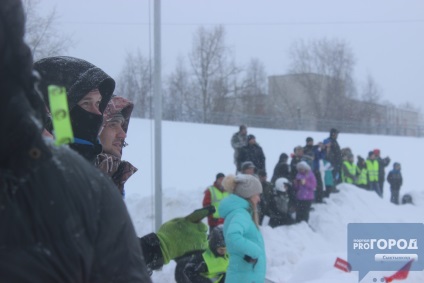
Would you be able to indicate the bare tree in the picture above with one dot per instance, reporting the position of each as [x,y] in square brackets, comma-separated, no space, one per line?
[254,89]
[213,70]
[41,33]
[324,68]
[180,101]
[135,83]
[371,92]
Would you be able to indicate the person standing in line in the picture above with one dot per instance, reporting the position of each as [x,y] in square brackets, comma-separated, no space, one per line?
[305,185]
[395,180]
[382,164]
[319,154]
[252,152]
[296,158]
[349,170]
[116,119]
[372,169]
[333,154]
[362,180]
[239,140]
[213,196]
[266,196]
[309,152]
[244,241]
[281,169]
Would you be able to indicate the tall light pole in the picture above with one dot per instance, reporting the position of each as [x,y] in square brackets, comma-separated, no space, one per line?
[157,87]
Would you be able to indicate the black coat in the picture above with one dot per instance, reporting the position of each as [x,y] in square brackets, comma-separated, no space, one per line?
[254,153]
[61,220]
[281,170]
[395,179]
[64,221]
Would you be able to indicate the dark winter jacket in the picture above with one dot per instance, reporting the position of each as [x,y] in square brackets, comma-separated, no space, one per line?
[267,194]
[308,155]
[382,164]
[281,169]
[79,77]
[254,153]
[293,170]
[334,154]
[61,220]
[395,179]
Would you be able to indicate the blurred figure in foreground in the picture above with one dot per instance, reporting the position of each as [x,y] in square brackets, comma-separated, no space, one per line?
[60,220]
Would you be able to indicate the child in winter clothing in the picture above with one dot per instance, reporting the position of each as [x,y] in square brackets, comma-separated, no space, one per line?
[305,185]
[241,229]
[205,266]
[279,204]
[395,180]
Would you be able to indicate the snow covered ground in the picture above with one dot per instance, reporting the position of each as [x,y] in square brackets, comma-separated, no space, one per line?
[193,154]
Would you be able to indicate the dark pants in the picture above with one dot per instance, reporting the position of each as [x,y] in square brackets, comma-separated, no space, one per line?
[381,183]
[319,193]
[375,186]
[394,198]
[302,210]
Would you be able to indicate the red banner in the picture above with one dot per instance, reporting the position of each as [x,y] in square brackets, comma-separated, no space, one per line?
[342,265]
[401,274]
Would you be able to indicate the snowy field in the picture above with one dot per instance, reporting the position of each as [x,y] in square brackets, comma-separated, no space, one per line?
[193,154]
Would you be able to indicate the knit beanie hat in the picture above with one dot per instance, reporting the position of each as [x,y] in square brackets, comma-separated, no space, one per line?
[243,185]
[303,165]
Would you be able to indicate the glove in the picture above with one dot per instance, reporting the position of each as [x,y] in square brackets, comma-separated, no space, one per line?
[180,236]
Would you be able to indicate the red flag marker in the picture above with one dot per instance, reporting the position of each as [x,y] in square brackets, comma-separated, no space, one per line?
[342,265]
[401,274]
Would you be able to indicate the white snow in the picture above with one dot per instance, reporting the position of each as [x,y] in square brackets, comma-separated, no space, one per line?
[192,154]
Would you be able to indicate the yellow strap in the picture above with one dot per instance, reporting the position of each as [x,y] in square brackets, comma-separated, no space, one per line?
[60,115]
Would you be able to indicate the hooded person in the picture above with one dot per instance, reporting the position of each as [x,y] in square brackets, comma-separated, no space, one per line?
[60,220]
[116,119]
[89,90]
[282,168]
[244,241]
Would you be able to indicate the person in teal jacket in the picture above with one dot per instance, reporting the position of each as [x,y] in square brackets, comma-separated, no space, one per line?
[245,244]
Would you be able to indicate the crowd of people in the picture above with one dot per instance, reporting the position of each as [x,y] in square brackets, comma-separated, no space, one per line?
[312,174]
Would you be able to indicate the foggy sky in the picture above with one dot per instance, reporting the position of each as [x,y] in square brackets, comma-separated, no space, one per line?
[386,36]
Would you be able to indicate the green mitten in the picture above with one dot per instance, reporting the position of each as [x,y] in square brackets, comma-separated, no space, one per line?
[180,236]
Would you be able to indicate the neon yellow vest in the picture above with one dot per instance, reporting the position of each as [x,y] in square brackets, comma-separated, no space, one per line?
[216,197]
[372,167]
[217,266]
[352,170]
[362,178]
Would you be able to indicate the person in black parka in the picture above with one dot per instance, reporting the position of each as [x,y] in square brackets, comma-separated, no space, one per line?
[81,79]
[252,152]
[281,169]
[395,180]
[60,219]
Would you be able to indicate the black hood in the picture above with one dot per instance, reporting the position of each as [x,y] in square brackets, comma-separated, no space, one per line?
[78,77]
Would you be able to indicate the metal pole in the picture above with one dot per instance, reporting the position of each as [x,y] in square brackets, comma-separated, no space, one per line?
[158,115]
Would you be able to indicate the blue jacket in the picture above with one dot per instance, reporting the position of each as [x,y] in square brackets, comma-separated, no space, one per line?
[242,238]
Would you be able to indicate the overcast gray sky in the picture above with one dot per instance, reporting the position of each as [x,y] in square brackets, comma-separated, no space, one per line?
[386,36]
